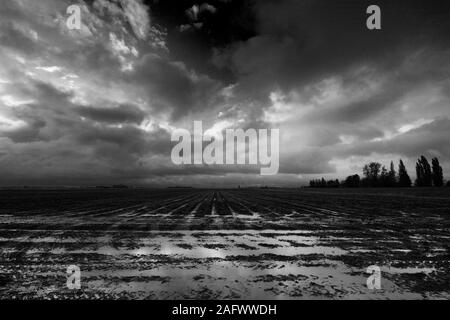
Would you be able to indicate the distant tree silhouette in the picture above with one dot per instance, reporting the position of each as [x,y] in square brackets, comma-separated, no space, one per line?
[352,181]
[384,178]
[371,173]
[377,175]
[319,183]
[322,183]
[448,183]
[333,183]
[392,176]
[437,176]
[403,178]
[423,172]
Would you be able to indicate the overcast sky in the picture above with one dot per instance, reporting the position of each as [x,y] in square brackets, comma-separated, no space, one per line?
[98,105]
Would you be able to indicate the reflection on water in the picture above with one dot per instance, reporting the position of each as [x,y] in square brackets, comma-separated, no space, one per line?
[207,245]
[224,264]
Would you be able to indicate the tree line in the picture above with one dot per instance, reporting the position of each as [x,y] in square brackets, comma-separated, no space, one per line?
[377,175]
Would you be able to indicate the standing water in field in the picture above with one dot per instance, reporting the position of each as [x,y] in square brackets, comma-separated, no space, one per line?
[258,244]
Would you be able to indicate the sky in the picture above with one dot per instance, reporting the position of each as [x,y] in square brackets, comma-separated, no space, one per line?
[97,106]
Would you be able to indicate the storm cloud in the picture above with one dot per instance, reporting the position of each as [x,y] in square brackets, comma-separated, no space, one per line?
[98,105]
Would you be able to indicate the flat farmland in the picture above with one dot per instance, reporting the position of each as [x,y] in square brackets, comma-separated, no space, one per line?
[225,244]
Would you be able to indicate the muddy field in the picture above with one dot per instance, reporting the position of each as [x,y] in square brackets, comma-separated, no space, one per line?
[215,244]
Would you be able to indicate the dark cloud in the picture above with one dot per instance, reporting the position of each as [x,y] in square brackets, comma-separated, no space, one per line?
[232,22]
[365,108]
[28,133]
[431,139]
[18,37]
[108,139]
[310,161]
[111,142]
[171,86]
[304,40]
[120,114]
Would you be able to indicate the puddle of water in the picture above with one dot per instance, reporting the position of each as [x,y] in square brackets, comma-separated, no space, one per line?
[361,251]
[170,247]
[253,216]
[228,244]
[267,280]
[48,239]
[410,270]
